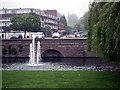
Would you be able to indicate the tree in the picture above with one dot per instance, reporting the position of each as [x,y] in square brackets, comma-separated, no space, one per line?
[27,23]
[47,31]
[68,29]
[72,19]
[78,27]
[82,23]
[63,21]
[104,30]
[17,22]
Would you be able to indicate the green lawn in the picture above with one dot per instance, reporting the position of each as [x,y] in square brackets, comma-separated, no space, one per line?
[60,79]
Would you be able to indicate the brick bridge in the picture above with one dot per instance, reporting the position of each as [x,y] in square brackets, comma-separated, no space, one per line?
[49,48]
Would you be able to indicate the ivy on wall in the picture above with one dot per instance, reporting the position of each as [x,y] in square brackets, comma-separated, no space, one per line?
[12,51]
[4,51]
[20,48]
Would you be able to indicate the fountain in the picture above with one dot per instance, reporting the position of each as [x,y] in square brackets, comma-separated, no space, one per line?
[35,56]
[35,62]
[38,53]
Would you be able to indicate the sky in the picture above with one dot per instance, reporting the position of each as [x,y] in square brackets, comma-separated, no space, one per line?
[78,7]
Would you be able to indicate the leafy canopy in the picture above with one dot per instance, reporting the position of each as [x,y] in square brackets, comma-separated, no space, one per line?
[28,22]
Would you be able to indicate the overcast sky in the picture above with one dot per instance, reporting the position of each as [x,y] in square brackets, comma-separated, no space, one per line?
[78,7]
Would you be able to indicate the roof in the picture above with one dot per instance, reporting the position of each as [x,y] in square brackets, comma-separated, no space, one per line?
[51,12]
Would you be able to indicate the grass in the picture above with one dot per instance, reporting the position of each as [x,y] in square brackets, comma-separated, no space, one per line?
[60,79]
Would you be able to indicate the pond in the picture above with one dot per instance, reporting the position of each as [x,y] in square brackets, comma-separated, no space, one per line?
[62,64]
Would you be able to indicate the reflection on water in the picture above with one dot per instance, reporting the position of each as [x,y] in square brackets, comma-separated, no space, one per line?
[89,64]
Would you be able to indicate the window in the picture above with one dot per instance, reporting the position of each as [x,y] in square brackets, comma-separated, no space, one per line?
[42,19]
[42,25]
[23,11]
[5,11]
[0,24]
[1,11]
[31,10]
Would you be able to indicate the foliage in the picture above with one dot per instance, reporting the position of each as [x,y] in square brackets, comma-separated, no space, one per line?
[17,23]
[72,19]
[70,24]
[104,30]
[47,31]
[9,49]
[82,23]
[68,29]
[20,48]
[4,51]
[48,28]
[27,23]
[14,51]
[63,21]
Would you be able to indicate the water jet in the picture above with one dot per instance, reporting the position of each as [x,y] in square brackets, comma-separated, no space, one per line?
[35,52]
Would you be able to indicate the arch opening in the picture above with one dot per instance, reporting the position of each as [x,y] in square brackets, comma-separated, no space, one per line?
[51,55]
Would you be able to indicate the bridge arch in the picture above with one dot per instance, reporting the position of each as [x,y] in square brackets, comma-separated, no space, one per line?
[51,55]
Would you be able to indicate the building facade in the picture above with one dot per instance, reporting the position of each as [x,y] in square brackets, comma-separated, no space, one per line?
[48,18]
